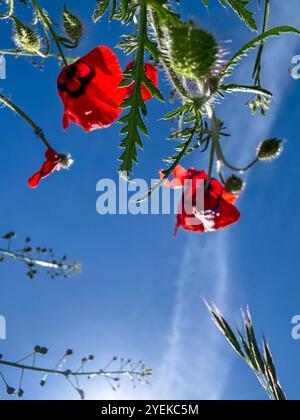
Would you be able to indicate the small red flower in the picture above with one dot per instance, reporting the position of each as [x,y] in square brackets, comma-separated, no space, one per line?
[90,90]
[54,162]
[51,165]
[151,73]
[217,211]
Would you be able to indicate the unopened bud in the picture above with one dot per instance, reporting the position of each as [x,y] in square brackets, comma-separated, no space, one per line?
[270,149]
[234,184]
[193,51]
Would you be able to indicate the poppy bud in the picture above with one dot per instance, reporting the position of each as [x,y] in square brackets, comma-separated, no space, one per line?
[72,25]
[270,149]
[234,184]
[25,38]
[193,51]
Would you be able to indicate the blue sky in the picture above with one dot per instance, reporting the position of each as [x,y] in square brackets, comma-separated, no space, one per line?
[140,292]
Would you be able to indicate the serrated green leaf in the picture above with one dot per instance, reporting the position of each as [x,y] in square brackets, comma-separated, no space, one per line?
[253,43]
[101,7]
[240,8]
[174,113]
[246,89]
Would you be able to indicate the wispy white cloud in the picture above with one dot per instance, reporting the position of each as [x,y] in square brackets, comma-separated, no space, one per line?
[192,368]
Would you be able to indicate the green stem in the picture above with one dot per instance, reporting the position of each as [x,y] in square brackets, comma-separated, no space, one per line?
[164,12]
[72,374]
[10,11]
[266,16]
[17,53]
[214,142]
[34,261]
[226,163]
[139,69]
[180,156]
[46,21]
[26,118]
[257,66]
[138,74]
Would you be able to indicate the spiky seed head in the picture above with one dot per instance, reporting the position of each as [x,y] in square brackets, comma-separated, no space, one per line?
[193,51]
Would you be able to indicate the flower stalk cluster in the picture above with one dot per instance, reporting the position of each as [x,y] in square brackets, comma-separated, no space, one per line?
[35,257]
[137,373]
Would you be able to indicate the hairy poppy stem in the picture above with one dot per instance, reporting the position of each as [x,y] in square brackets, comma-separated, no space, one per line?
[48,25]
[26,118]
[18,53]
[10,10]
[257,67]
[229,166]
[214,142]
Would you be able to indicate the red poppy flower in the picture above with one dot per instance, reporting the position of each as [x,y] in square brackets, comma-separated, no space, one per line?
[151,73]
[90,90]
[54,162]
[216,211]
[51,164]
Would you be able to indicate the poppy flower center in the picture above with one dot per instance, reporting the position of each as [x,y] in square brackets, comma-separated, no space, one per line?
[75,79]
[71,71]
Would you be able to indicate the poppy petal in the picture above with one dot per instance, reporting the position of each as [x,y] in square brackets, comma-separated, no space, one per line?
[74,85]
[216,212]
[93,102]
[151,73]
[178,174]
[229,197]
[49,166]
[34,181]
[82,70]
